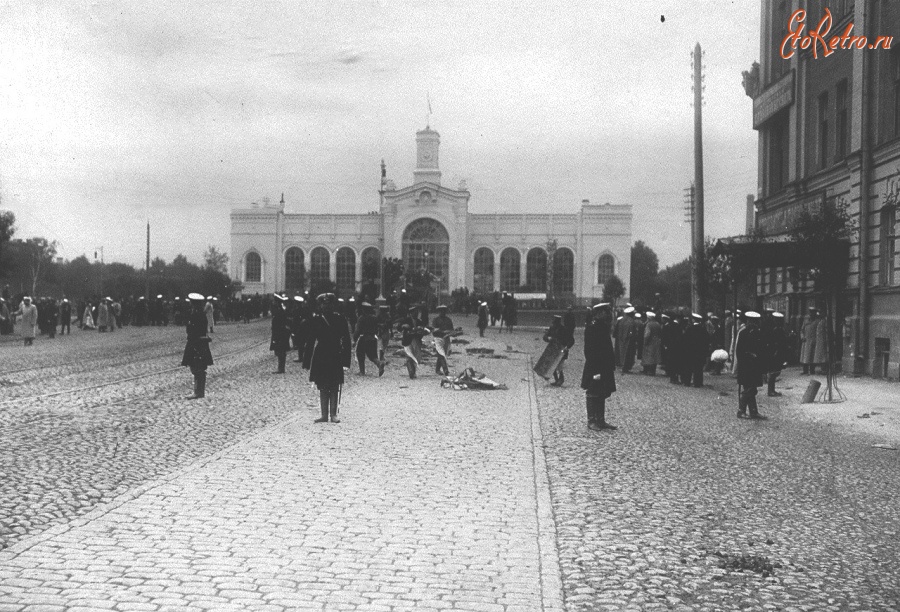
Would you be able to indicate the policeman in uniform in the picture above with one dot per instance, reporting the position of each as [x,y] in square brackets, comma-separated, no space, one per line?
[327,354]
[280,343]
[366,338]
[197,355]
[750,364]
[776,341]
[598,378]
[299,317]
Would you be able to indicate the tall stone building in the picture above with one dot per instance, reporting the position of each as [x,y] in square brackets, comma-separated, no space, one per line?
[428,225]
[829,133]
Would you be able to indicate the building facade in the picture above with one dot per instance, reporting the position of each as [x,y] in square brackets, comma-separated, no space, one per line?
[829,135]
[428,225]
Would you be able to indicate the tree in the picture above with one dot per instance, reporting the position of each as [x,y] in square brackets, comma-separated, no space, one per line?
[613,289]
[40,257]
[7,229]
[216,260]
[644,270]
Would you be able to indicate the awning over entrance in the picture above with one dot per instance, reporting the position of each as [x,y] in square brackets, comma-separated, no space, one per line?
[780,251]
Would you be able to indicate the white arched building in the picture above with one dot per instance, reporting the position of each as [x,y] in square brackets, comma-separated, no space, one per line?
[429,225]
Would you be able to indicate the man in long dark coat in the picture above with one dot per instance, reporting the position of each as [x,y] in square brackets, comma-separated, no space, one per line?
[365,335]
[673,353]
[776,342]
[327,355]
[749,351]
[598,378]
[280,343]
[299,317]
[696,351]
[197,355]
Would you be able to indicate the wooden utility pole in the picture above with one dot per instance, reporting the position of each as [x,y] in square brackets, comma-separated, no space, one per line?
[698,254]
[147,266]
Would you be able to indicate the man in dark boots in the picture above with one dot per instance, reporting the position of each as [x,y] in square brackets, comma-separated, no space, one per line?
[598,378]
[441,328]
[197,355]
[366,337]
[750,364]
[328,354]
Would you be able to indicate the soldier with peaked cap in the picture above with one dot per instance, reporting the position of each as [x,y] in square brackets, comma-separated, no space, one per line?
[299,316]
[327,354]
[696,350]
[626,336]
[483,313]
[365,335]
[197,355]
[280,343]
[749,364]
[598,378]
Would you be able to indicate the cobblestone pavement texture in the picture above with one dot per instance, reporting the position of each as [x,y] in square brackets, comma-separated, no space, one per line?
[686,507]
[421,499]
[129,498]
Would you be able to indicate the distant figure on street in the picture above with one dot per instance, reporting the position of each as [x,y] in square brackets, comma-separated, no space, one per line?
[365,335]
[652,341]
[441,330]
[197,355]
[102,316]
[696,350]
[598,377]
[208,311]
[627,341]
[808,338]
[65,317]
[750,364]
[483,314]
[776,342]
[559,332]
[280,342]
[29,314]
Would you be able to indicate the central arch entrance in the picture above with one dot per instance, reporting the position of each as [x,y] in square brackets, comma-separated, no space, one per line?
[426,245]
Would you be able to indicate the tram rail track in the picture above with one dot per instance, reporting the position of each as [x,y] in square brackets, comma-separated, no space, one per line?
[30,398]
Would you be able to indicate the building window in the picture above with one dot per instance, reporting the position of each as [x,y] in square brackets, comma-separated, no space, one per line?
[887,246]
[773,280]
[777,137]
[484,271]
[345,272]
[841,121]
[252,268]
[606,267]
[563,271]
[536,270]
[426,245]
[294,270]
[778,65]
[371,269]
[823,131]
[319,268]
[509,269]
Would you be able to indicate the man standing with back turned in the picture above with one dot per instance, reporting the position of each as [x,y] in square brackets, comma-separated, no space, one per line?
[598,378]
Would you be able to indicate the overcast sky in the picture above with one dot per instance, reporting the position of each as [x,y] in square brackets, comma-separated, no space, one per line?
[116,113]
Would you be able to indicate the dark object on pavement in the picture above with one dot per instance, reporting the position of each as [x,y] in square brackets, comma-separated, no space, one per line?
[811,391]
[473,381]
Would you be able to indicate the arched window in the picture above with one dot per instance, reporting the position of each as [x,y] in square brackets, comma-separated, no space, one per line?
[426,244]
[563,271]
[252,268]
[509,269]
[484,271]
[887,245]
[536,269]
[371,268]
[345,273]
[606,267]
[294,270]
[319,267]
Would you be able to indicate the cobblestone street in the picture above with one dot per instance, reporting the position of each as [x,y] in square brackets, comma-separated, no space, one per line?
[129,498]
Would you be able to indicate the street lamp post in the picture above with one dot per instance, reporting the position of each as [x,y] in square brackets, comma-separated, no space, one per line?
[100,248]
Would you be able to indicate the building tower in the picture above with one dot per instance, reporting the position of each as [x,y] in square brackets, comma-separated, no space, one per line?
[427,144]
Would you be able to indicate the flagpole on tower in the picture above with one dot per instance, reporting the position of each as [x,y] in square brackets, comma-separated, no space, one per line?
[428,118]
